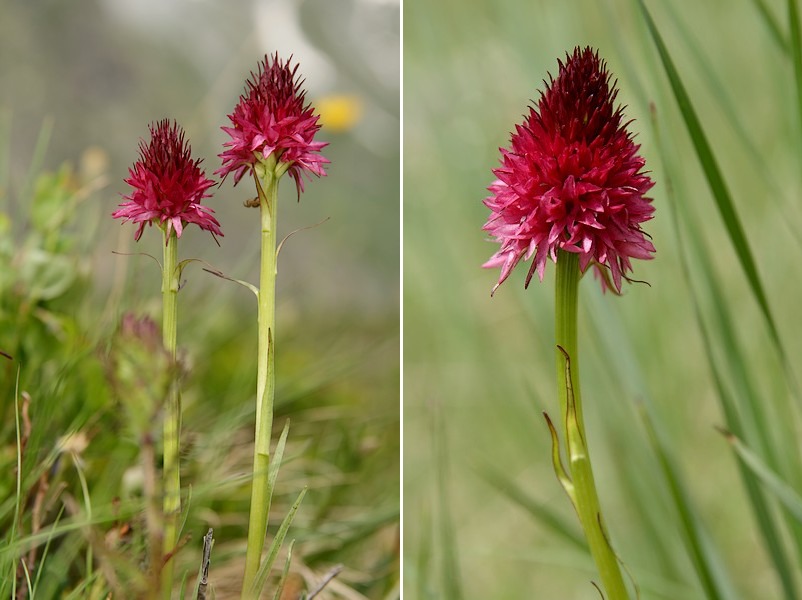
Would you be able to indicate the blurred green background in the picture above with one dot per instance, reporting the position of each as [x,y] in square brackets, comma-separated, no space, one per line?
[478,371]
[102,70]
[79,84]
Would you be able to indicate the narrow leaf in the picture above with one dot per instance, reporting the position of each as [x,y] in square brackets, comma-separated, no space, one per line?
[796,55]
[787,496]
[506,486]
[715,180]
[773,26]
[707,564]
[275,464]
[451,580]
[264,569]
[283,579]
[692,247]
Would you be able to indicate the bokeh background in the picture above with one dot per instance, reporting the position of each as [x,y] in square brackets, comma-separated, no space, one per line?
[98,72]
[79,84]
[484,514]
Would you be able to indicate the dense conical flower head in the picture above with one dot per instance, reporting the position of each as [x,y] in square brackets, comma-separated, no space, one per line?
[572,179]
[271,119]
[168,185]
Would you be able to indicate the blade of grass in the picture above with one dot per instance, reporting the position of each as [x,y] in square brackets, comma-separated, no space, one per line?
[275,464]
[18,492]
[333,538]
[714,578]
[423,571]
[763,515]
[26,573]
[394,593]
[264,569]
[646,487]
[740,370]
[718,187]
[87,506]
[104,515]
[182,590]
[450,576]
[772,25]
[283,579]
[43,559]
[786,495]
[720,91]
[691,247]
[185,509]
[540,512]
[80,592]
[705,559]
[796,56]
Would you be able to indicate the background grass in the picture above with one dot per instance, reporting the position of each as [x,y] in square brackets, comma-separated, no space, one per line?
[79,83]
[690,352]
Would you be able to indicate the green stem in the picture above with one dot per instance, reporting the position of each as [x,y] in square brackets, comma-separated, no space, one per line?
[584,495]
[265,382]
[172,417]
[566,333]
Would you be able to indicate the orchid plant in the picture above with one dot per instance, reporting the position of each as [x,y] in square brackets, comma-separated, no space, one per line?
[168,188]
[572,188]
[272,133]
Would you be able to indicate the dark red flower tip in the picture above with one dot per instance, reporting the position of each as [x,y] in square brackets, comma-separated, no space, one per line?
[272,119]
[572,179]
[168,185]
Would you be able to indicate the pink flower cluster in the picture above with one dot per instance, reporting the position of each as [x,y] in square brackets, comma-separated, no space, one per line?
[168,185]
[271,119]
[572,179]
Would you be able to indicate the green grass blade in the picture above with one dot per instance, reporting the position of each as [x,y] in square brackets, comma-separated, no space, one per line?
[725,101]
[26,573]
[45,551]
[715,580]
[423,570]
[786,495]
[334,537]
[796,55]
[763,515]
[772,25]
[272,553]
[452,586]
[182,591]
[283,579]
[83,590]
[715,180]
[187,506]
[275,463]
[691,246]
[760,508]
[87,507]
[540,512]
[12,561]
